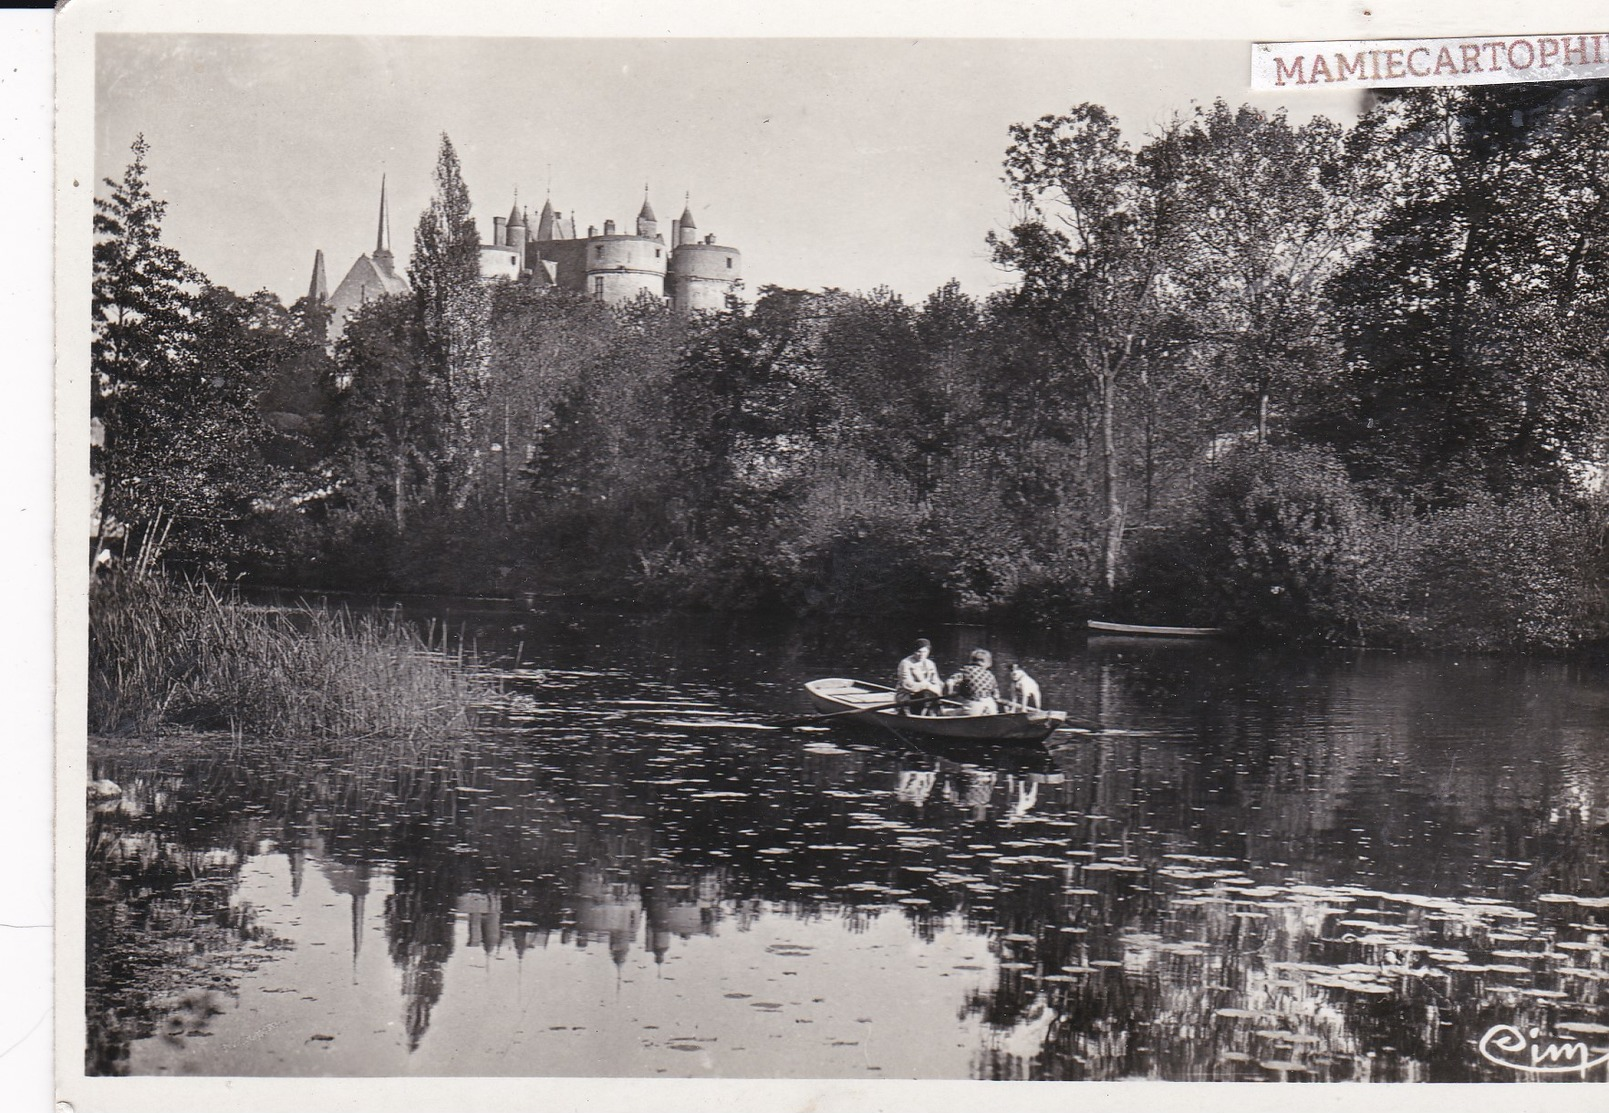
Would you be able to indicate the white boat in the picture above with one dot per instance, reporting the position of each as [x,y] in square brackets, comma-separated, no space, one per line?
[1156,631]
[863,702]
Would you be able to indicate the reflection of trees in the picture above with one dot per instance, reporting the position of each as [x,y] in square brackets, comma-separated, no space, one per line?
[420,917]
[1109,964]
[155,902]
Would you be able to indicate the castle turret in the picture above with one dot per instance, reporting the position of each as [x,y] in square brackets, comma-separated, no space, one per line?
[516,234]
[544,223]
[647,223]
[686,227]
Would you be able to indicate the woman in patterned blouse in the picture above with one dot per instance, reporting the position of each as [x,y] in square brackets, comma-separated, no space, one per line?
[975,686]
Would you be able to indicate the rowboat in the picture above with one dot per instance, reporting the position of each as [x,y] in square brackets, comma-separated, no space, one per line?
[1156,631]
[863,702]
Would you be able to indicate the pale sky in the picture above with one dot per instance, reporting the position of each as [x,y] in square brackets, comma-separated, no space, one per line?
[845,162]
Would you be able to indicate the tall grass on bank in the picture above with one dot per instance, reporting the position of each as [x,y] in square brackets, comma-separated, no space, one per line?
[165,654]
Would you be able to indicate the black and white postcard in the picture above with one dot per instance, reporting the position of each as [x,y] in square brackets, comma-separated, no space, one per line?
[808,559]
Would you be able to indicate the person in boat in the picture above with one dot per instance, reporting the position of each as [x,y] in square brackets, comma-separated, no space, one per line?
[975,687]
[919,691]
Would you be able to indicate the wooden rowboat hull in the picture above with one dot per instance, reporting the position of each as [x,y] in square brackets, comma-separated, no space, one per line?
[1156,631]
[838,694]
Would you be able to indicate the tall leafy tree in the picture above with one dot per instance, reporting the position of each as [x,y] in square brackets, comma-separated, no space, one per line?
[141,314]
[1262,214]
[177,367]
[1475,326]
[454,309]
[384,424]
[1090,250]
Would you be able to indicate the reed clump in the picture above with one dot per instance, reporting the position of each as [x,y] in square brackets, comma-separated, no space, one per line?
[183,655]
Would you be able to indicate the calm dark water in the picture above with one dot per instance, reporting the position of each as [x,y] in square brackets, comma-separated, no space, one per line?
[1242,867]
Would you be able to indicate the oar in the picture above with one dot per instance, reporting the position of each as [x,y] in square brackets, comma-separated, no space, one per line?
[858,710]
[802,720]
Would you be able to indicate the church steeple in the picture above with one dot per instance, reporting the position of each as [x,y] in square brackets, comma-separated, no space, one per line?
[382,238]
[318,290]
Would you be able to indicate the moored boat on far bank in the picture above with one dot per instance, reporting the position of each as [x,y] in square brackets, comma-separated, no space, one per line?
[1155,631]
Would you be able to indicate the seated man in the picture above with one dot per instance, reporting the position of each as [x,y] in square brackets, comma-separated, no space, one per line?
[975,687]
[918,690]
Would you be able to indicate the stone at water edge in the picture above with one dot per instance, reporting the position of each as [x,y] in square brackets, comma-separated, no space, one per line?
[104,790]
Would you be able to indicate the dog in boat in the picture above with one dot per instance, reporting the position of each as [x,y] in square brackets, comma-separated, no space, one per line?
[1024,690]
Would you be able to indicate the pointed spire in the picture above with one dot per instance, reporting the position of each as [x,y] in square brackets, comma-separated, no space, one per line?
[382,239]
[544,223]
[647,212]
[514,218]
[687,220]
[318,290]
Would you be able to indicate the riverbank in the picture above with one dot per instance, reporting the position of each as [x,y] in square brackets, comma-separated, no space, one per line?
[167,655]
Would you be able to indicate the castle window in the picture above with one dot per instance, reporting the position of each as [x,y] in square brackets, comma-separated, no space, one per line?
[597,287]
[599,250]
[511,259]
[656,253]
[728,262]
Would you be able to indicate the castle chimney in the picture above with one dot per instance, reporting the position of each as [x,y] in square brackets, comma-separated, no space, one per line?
[608,227]
[499,237]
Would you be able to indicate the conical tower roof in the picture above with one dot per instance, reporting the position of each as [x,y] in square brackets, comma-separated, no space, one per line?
[382,238]
[318,290]
[544,223]
[647,212]
[687,220]
[514,216]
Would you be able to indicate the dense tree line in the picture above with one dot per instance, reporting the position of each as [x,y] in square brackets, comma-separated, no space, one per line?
[1304,381]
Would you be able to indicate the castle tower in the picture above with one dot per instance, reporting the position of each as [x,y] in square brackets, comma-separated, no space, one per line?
[505,256]
[702,272]
[621,266]
[544,223]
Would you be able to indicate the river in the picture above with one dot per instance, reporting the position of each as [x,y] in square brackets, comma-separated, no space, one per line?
[1236,865]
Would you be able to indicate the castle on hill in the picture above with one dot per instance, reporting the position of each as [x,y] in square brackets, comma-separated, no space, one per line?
[614,266]
[691,274]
